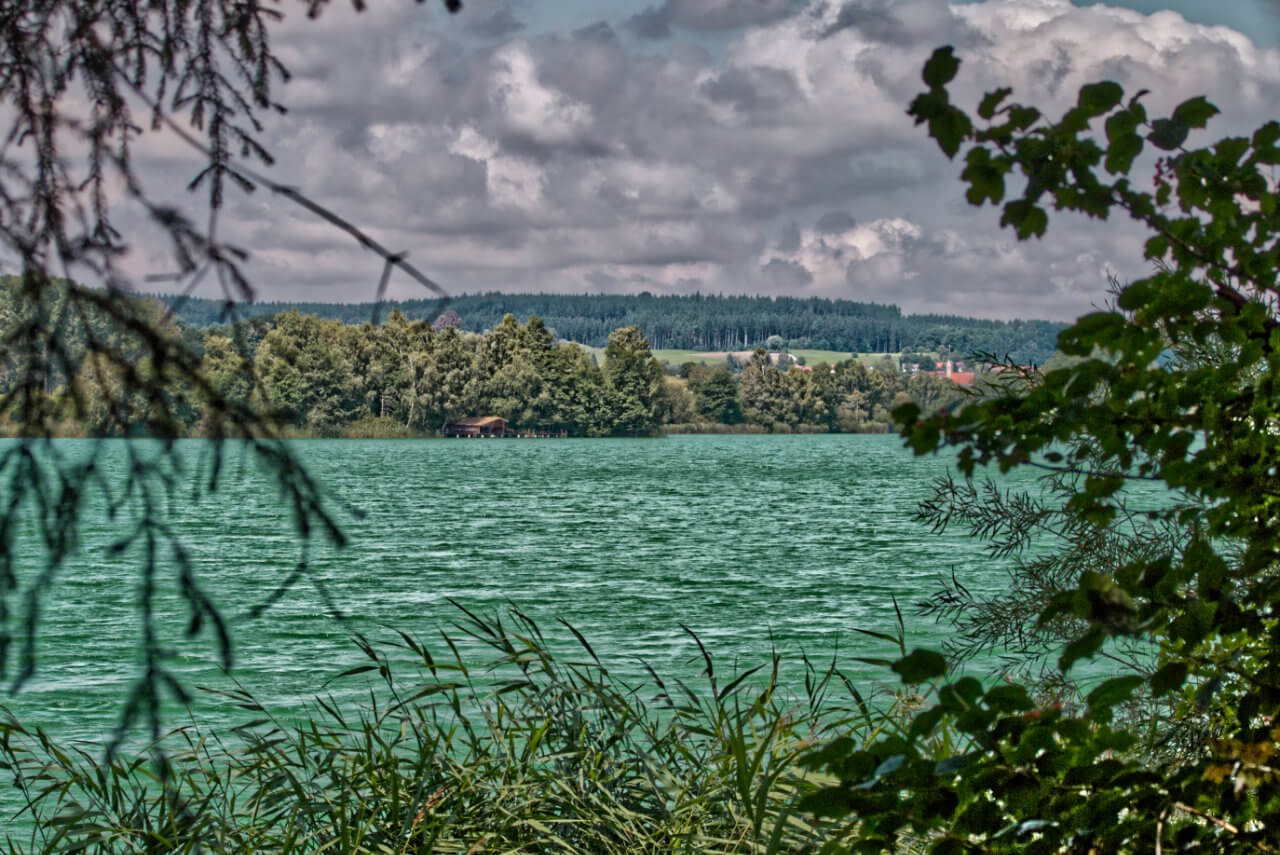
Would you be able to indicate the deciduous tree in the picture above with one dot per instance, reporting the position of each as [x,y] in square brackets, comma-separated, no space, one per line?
[634,378]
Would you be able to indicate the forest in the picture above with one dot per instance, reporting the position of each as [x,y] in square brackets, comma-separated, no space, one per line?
[694,322]
[319,377]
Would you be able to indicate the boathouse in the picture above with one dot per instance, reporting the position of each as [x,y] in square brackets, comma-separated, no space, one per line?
[477,426]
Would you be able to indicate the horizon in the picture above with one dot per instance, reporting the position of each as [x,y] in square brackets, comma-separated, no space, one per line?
[447,300]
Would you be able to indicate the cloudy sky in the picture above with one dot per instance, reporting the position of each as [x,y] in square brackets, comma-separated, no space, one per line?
[673,146]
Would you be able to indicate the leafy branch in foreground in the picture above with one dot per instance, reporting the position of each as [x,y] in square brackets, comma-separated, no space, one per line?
[75,74]
[1201,583]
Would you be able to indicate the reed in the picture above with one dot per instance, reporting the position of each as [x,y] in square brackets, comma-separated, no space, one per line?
[499,745]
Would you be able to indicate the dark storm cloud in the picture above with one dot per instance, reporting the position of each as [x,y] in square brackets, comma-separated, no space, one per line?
[599,31]
[500,24]
[781,273]
[591,65]
[1051,72]
[751,90]
[653,23]
[708,15]
[789,240]
[833,222]
[840,178]
[873,19]
[903,23]
[527,146]
[604,283]
[657,22]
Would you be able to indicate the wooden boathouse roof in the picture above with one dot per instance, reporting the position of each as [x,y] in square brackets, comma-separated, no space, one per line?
[480,421]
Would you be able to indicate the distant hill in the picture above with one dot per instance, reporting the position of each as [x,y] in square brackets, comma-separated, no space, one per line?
[698,322]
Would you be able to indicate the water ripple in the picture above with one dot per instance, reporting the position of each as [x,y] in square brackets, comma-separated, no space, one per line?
[749,541]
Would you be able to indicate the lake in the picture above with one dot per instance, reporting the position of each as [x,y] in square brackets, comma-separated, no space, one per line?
[749,541]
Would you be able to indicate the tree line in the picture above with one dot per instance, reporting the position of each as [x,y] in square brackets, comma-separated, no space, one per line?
[696,322]
[326,378]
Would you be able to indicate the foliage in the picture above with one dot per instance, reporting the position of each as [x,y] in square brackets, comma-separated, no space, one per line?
[635,379]
[1033,778]
[716,391]
[527,751]
[318,377]
[77,77]
[848,396]
[702,322]
[112,364]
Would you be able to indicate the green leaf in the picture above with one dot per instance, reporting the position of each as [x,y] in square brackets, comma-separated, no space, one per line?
[926,105]
[941,67]
[1267,135]
[1195,112]
[947,124]
[829,801]
[351,672]
[925,722]
[1023,117]
[949,127]
[1122,124]
[1113,691]
[1008,698]
[948,846]
[1121,152]
[1169,678]
[1210,571]
[960,696]
[920,665]
[1230,150]
[1027,219]
[1097,327]
[1083,647]
[1168,134]
[991,102]
[1264,143]
[1097,98]
[985,177]
[1204,695]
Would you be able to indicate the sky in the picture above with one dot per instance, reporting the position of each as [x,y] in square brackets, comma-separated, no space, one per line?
[714,146]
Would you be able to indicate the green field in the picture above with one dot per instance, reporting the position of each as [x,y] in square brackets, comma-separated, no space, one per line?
[680,357]
[810,356]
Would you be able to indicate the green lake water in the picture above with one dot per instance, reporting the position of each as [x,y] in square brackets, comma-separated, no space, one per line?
[749,541]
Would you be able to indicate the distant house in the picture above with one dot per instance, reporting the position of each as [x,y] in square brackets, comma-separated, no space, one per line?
[953,371]
[962,377]
[477,426]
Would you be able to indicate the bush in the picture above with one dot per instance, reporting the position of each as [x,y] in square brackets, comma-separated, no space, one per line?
[1175,386]
[526,752]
